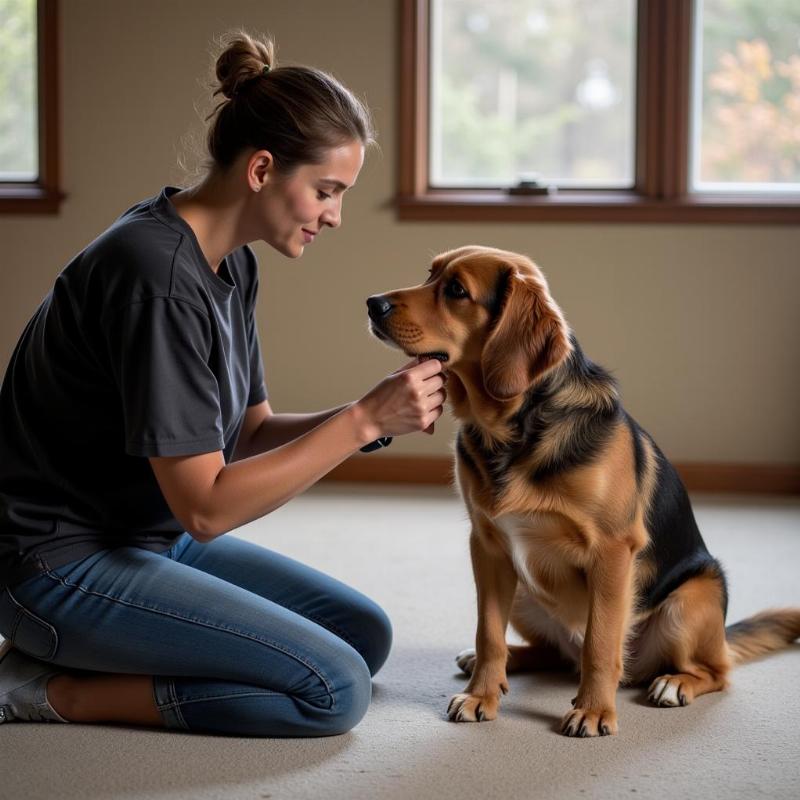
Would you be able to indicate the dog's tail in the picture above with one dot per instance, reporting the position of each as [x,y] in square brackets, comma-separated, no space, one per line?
[762,633]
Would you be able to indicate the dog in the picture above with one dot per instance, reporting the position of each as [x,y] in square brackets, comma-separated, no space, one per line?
[583,536]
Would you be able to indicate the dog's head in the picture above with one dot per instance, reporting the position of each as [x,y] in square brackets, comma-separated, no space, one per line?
[479,306]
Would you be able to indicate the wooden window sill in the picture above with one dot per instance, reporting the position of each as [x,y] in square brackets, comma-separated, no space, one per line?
[29,199]
[449,205]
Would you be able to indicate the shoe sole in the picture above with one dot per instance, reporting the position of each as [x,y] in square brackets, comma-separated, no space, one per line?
[5,649]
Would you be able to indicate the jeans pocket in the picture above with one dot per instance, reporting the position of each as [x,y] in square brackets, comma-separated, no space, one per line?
[25,630]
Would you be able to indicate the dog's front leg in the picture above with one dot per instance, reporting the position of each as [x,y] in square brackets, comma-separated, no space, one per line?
[495,581]
[610,598]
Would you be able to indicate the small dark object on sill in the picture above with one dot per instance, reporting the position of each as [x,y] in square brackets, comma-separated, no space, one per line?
[532,185]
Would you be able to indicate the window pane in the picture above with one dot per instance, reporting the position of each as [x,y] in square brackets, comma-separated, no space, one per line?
[746,121]
[19,147]
[523,87]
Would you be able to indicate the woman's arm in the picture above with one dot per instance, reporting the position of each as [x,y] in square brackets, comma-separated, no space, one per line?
[209,497]
[264,430]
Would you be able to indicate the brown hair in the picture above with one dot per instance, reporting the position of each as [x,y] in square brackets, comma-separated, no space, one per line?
[295,112]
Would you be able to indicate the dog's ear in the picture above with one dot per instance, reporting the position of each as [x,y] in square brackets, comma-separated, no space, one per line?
[529,339]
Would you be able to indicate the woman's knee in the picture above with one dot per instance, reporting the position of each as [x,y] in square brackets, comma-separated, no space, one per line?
[346,702]
[332,702]
[351,703]
[374,634]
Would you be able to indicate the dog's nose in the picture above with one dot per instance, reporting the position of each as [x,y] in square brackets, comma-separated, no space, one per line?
[378,306]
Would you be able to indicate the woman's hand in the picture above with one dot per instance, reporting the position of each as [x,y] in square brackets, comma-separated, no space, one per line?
[406,401]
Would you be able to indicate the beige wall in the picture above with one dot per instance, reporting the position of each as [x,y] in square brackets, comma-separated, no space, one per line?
[699,323]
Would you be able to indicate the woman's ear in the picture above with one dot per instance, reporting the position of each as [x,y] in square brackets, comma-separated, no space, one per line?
[529,339]
[260,167]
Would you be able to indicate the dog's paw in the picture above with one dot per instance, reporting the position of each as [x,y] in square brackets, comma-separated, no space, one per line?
[472,708]
[466,660]
[585,722]
[669,691]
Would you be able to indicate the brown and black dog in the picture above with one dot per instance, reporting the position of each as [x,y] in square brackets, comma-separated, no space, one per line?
[583,536]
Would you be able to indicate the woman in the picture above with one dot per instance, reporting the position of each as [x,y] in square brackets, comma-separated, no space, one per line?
[135,431]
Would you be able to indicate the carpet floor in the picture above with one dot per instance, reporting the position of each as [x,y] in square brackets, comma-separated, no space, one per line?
[407,548]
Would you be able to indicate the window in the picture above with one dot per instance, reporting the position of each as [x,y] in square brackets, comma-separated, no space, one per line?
[746,92]
[28,107]
[600,110]
[542,91]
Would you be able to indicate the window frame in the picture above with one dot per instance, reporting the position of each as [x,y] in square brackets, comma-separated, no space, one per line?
[42,196]
[660,192]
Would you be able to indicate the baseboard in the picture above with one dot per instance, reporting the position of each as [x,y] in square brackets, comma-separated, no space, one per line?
[781,479]
[384,468]
[741,478]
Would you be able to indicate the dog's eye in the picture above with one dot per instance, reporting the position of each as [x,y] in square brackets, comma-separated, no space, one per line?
[455,290]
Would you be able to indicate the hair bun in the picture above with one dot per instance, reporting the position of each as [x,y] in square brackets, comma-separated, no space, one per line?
[297,113]
[243,58]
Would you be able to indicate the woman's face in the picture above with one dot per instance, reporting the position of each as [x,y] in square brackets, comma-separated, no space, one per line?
[294,209]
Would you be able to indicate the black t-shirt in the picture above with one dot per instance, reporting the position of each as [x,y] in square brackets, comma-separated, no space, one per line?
[139,350]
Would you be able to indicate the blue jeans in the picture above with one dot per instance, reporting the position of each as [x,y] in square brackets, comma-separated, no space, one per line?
[239,640]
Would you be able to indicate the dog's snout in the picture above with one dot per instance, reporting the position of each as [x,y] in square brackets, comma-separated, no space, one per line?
[378,306]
